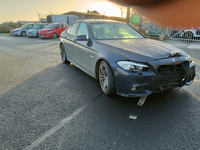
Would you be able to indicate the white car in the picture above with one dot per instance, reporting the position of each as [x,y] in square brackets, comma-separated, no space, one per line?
[191,33]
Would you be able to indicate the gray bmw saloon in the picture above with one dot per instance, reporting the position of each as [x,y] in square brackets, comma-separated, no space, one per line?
[123,60]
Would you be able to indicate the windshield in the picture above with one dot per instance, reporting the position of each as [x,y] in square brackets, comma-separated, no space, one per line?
[37,26]
[24,26]
[51,26]
[103,31]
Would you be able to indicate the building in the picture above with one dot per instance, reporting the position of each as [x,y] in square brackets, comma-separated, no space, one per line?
[92,15]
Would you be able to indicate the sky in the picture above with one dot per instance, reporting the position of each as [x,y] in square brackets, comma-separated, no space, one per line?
[27,10]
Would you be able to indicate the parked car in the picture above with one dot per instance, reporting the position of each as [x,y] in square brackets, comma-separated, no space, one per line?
[193,33]
[52,30]
[189,33]
[22,30]
[123,60]
[34,31]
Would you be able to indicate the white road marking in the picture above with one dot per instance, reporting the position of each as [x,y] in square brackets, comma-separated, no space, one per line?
[62,81]
[197,78]
[50,132]
[142,100]
[133,117]
[195,46]
[192,93]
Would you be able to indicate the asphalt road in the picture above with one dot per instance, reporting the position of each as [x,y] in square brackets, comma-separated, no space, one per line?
[45,104]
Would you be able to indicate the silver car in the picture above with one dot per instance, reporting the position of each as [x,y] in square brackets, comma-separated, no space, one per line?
[34,32]
[22,30]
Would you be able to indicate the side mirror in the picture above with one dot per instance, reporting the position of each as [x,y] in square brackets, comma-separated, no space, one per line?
[82,38]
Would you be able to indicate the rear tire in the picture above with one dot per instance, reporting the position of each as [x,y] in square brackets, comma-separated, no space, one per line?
[63,55]
[106,78]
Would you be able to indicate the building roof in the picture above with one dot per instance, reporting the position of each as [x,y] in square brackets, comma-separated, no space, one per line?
[23,22]
[93,12]
[99,20]
[92,15]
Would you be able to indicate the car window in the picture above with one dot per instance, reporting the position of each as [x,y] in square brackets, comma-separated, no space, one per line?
[37,26]
[74,28]
[24,26]
[64,25]
[68,29]
[83,29]
[113,31]
[50,26]
[44,25]
[60,26]
[30,26]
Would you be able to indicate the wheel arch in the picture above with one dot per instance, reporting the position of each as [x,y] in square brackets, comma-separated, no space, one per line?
[22,32]
[61,44]
[55,34]
[114,89]
[97,67]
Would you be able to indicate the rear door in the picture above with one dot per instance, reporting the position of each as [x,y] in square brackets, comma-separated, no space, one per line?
[73,55]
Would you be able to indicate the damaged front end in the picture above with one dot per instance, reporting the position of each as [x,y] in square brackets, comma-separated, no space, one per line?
[174,71]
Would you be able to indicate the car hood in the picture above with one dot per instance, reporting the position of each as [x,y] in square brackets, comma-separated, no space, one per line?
[141,50]
[45,30]
[18,29]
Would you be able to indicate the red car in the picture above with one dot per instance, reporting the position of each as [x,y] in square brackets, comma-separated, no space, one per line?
[52,30]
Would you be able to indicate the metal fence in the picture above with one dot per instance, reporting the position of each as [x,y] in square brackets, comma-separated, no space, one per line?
[186,35]
[155,31]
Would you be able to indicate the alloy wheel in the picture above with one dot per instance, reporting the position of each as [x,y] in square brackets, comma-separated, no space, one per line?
[103,77]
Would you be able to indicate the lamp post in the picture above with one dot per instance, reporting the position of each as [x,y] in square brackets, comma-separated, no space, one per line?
[128,15]
[38,16]
[121,12]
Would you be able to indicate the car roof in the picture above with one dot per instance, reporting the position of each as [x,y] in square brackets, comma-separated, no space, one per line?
[58,23]
[29,23]
[99,21]
[41,23]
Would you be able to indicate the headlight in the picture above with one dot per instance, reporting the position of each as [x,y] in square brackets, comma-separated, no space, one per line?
[132,66]
[49,31]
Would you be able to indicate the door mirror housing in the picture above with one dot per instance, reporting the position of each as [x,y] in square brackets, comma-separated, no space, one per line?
[82,38]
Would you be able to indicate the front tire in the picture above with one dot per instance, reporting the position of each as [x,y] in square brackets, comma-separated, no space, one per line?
[54,35]
[63,55]
[23,34]
[106,78]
